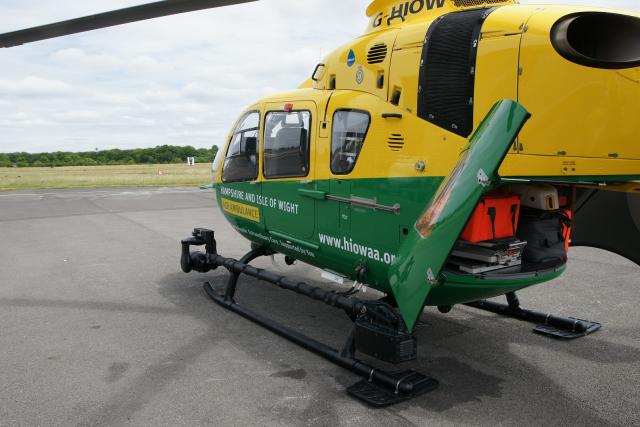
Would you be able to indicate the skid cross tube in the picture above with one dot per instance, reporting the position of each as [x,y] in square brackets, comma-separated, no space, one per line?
[548,324]
[395,387]
[351,305]
[230,290]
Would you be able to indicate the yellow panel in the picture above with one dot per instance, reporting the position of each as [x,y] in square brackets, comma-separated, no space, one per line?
[437,148]
[535,165]
[577,110]
[412,36]
[360,75]
[404,76]
[497,59]
[508,20]
[496,73]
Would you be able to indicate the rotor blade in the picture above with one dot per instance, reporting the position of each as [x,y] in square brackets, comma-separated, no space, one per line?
[110,19]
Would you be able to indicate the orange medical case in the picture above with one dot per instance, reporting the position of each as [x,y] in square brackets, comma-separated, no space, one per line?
[496,217]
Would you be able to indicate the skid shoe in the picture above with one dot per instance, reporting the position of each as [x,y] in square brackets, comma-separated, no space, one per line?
[565,328]
[377,328]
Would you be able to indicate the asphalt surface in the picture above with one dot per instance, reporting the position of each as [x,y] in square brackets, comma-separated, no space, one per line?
[98,326]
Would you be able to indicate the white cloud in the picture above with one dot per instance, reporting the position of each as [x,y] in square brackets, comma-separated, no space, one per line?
[23,119]
[175,80]
[78,116]
[34,86]
[79,58]
[146,63]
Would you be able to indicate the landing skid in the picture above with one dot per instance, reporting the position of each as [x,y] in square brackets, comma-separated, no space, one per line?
[565,328]
[376,327]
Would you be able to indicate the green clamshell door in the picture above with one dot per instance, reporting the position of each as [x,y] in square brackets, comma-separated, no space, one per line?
[424,253]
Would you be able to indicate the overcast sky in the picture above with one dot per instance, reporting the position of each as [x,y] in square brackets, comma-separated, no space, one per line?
[178,80]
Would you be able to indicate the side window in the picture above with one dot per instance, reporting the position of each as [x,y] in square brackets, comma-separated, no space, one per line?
[286,144]
[241,162]
[349,131]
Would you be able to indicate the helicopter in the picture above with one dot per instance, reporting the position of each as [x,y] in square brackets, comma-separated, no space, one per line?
[451,154]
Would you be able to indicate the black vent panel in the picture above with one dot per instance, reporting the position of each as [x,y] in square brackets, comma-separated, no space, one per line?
[447,70]
[395,142]
[476,3]
[377,53]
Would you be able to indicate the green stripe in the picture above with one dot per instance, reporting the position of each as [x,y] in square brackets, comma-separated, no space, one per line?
[574,179]
[371,228]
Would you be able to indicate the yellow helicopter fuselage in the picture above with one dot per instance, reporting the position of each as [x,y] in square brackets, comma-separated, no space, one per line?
[426,73]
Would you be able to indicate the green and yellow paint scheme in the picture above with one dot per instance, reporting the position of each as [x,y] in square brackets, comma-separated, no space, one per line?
[377,223]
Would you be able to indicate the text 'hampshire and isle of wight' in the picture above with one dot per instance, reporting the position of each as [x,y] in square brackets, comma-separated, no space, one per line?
[269,202]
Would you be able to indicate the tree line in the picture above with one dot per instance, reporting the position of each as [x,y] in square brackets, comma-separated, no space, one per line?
[163,154]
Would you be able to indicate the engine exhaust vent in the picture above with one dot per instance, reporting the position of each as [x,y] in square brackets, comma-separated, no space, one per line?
[377,53]
[598,39]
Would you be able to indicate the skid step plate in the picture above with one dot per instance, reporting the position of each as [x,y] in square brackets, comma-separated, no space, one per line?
[378,396]
[566,334]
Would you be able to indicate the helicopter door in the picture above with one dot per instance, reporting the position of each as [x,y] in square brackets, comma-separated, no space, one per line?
[423,254]
[287,168]
[348,131]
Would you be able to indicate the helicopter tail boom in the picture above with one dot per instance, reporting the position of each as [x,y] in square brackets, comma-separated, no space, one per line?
[609,220]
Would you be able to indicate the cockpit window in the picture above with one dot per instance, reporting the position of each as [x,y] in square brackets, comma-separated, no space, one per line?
[286,144]
[241,161]
[349,132]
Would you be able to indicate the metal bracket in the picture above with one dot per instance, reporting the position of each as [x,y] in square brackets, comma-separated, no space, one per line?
[483,178]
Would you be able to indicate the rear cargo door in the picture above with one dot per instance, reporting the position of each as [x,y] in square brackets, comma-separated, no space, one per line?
[426,249]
